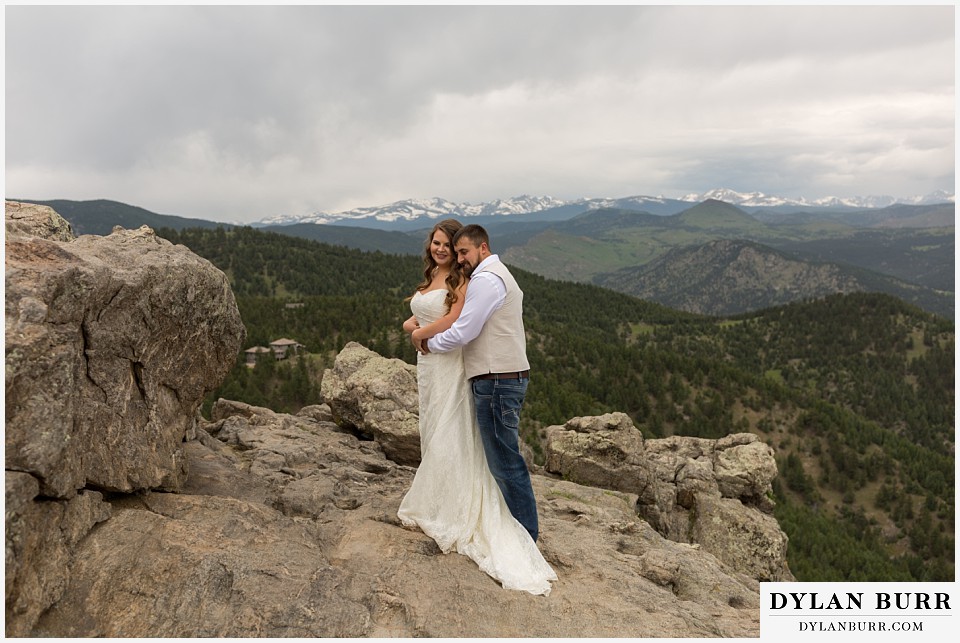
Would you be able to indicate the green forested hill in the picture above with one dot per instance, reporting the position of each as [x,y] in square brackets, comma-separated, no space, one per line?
[855,393]
[727,277]
[921,256]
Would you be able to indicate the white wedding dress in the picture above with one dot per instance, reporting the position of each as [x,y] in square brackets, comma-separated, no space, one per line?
[454,498]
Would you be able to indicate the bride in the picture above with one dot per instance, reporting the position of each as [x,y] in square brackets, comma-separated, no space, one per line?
[454,498]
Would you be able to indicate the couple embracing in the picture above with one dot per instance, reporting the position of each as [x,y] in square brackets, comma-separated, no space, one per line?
[472,491]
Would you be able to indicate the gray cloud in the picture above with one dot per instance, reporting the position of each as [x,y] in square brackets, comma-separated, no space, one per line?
[236,113]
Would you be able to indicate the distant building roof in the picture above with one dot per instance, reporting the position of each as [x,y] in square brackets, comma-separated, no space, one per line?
[284,342]
[257,349]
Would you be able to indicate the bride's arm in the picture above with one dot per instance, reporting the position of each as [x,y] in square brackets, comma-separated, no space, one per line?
[444,322]
[410,325]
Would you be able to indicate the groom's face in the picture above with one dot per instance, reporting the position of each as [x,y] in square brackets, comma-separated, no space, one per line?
[468,255]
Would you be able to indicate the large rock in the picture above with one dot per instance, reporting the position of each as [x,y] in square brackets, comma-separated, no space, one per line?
[376,397]
[745,469]
[31,220]
[40,536]
[604,451]
[111,344]
[287,527]
[715,493]
[749,541]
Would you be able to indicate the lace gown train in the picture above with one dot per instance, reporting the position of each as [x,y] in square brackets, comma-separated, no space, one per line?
[454,498]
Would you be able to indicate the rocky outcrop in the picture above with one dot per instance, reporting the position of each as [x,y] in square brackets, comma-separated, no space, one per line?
[111,345]
[287,527]
[715,493]
[376,397]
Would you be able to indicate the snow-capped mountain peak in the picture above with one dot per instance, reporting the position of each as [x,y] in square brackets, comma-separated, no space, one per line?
[759,199]
[438,208]
[435,208]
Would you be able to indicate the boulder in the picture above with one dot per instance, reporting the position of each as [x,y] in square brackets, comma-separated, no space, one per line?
[603,451]
[111,345]
[745,469]
[376,397]
[31,220]
[748,541]
[715,493]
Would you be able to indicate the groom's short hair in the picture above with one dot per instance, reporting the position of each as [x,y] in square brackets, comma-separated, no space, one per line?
[474,233]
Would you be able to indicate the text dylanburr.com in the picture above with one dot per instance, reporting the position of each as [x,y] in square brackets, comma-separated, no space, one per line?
[911,610]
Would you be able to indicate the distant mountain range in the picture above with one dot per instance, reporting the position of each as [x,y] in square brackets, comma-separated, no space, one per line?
[415,214]
[643,248]
[418,213]
[761,200]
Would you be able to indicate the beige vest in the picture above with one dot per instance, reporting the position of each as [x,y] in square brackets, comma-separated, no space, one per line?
[501,347]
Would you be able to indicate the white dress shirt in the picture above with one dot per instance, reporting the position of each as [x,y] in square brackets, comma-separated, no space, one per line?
[485,294]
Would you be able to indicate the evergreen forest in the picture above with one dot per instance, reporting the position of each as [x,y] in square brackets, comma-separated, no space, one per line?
[855,393]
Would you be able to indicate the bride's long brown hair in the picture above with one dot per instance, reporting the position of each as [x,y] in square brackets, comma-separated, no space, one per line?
[449,227]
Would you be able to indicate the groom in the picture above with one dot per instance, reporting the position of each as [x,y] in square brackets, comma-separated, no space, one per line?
[490,330]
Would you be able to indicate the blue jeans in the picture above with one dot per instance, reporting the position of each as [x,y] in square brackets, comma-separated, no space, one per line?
[498,416]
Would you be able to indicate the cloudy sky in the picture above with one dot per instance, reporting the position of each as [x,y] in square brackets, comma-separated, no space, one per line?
[238,113]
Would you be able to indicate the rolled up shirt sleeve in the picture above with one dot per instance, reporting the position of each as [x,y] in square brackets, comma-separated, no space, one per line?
[485,294]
